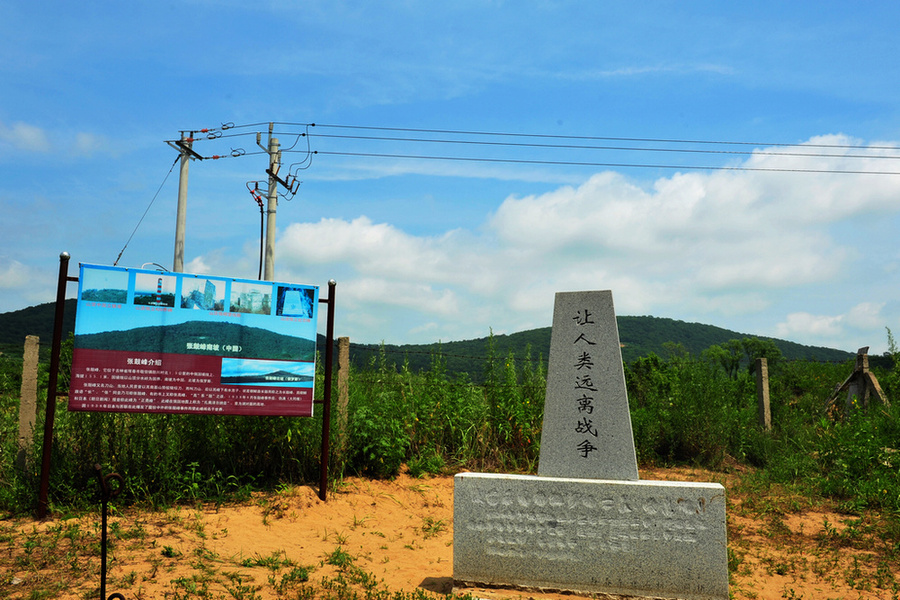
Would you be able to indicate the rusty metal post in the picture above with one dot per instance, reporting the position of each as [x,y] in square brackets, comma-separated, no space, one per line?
[106,493]
[50,413]
[326,405]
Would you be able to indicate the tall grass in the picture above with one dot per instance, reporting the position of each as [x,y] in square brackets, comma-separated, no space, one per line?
[434,421]
[685,410]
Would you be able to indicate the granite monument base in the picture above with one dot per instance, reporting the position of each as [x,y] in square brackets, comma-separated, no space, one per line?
[656,539]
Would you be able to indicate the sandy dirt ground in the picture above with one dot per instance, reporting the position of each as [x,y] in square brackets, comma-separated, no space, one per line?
[401,532]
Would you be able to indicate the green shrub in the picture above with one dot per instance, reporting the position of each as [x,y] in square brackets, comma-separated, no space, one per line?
[686,409]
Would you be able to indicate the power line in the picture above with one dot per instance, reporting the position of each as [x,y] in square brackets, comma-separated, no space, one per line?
[592,138]
[616,148]
[485,139]
[463,132]
[152,200]
[601,164]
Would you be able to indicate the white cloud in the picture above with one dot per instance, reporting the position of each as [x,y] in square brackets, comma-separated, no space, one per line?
[198,265]
[13,274]
[716,230]
[218,262]
[623,72]
[701,246]
[412,296]
[862,325]
[807,325]
[26,285]
[379,249]
[24,137]
[86,145]
[867,315]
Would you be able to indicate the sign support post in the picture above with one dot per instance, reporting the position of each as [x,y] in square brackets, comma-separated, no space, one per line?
[231,398]
[52,383]
[326,391]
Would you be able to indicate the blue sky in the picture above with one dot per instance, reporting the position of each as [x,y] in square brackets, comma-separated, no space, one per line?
[427,250]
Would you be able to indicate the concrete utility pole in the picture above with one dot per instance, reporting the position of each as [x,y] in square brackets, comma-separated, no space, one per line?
[273,149]
[181,214]
[274,164]
[187,153]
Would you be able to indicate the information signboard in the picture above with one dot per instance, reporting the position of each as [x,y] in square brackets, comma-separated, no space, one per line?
[161,342]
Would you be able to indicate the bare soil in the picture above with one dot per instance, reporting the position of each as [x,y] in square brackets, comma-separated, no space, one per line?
[401,533]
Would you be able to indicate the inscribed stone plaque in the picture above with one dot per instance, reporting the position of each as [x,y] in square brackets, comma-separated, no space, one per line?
[587,425]
[634,538]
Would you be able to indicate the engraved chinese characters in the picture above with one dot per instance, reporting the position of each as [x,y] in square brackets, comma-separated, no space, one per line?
[587,425]
[586,523]
[584,383]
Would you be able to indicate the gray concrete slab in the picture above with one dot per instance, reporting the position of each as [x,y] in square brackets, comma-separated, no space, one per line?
[639,538]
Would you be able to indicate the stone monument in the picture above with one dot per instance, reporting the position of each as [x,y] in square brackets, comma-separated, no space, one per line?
[586,523]
[587,425]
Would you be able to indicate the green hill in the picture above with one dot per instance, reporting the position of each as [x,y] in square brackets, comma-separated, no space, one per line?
[34,320]
[639,336]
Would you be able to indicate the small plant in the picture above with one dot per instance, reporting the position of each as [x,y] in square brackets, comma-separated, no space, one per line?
[339,558]
[194,586]
[432,527]
[357,522]
[291,580]
[432,464]
[239,591]
[275,561]
[789,594]
[735,559]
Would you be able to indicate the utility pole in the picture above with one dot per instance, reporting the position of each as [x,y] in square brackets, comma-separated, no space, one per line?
[187,153]
[273,149]
[274,152]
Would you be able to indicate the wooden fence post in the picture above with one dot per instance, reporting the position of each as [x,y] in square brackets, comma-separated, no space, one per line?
[28,399]
[861,385]
[343,385]
[762,393]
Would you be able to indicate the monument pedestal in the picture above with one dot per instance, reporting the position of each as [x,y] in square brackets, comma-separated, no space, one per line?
[632,538]
[586,523]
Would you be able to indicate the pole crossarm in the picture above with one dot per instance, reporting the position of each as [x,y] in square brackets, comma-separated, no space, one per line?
[185,149]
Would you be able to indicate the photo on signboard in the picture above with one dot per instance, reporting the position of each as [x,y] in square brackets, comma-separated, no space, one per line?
[267,373]
[295,301]
[203,293]
[154,289]
[251,297]
[105,286]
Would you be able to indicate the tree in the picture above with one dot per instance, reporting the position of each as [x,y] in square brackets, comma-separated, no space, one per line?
[755,348]
[727,355]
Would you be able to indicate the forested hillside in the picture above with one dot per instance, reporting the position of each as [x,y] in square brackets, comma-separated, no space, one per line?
[639,337]
[34,320]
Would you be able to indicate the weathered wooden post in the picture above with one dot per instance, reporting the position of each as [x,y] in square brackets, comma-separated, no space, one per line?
[762,393]
[861,385]
[28,398]
[343,384]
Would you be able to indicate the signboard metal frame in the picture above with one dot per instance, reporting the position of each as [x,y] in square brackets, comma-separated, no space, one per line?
[161,342]
[53,385]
